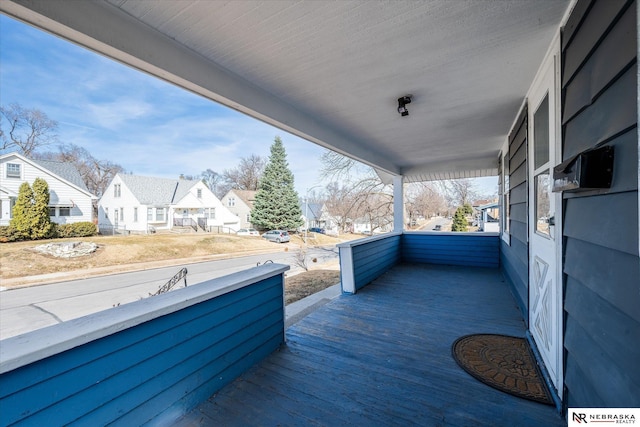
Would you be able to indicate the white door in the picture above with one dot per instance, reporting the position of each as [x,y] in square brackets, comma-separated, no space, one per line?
[545,215]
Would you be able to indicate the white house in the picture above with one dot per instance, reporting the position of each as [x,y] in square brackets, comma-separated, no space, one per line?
[489,219]
[70,200]
[141,204]
[240,203]
[318,215]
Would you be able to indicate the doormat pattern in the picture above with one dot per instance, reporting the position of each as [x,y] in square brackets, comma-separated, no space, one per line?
[503,362]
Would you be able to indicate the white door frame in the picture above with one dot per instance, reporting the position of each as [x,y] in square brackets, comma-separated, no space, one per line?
[547,80]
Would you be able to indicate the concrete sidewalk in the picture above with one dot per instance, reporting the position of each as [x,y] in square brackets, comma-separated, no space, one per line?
[298,310]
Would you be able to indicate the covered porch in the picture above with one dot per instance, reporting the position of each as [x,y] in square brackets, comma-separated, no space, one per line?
[383,357]
[513,89]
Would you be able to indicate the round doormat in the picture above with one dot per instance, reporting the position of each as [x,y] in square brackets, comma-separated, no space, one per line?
[503,362]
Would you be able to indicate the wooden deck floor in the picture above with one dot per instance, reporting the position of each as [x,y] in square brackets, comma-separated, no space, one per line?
[383,358]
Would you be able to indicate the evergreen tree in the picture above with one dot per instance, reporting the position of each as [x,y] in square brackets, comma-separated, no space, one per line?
[21,214]
[467,209]
[30,216]
[459,221]
[41,225]
[277,205]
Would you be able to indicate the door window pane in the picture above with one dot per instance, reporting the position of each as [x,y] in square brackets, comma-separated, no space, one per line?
[541,133]
[543,208]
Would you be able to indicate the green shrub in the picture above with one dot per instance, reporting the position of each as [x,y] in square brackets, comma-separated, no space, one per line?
[459,221]
[10,234]
[77,229]
[41,225]
[30,215]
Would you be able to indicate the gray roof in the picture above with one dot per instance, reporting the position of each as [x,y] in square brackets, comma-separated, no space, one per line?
[247,196]
[157,191]
[313,209]
[65,171]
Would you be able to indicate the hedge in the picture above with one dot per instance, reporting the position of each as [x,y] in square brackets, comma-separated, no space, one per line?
[10,234]
[77,229]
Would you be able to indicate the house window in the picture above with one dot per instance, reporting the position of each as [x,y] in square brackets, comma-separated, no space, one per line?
[199,193]
[52,211]
[159,214]
[135,214]
[503,193]
[231,201]
[121,214]
[13,170]
[64,211]
[116,190]
[149,214]
[210,213]
[248,217]
[106,213]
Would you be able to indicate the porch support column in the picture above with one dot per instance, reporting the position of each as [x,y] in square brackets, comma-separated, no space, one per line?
[398,203]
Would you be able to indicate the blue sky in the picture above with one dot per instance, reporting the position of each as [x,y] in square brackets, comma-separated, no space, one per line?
[144,124]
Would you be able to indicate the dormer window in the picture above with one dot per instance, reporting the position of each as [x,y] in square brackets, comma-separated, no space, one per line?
[117,190]
[13,170]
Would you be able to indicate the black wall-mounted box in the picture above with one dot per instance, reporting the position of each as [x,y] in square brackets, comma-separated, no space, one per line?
[589,170]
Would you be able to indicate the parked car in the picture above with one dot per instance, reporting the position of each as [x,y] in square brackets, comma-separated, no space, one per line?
[278,236]
[317,230]
[247,232]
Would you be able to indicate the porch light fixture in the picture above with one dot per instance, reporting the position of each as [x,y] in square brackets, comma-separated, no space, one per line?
[402,105]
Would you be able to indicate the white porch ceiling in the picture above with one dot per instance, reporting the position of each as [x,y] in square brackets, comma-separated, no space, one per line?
[331,72]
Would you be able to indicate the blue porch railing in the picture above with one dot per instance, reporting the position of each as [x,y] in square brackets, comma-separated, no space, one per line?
[145,362]
[363,260]
[153,360]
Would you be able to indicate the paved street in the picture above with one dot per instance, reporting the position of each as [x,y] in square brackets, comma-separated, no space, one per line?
[30,308]
[433,222]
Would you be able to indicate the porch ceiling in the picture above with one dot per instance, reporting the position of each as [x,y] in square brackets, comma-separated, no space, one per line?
[332,72]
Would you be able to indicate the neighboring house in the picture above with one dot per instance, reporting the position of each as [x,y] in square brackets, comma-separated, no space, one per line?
[142,204]
[489,219]
[240,203]
[364,226]
[318,215]
[70,200]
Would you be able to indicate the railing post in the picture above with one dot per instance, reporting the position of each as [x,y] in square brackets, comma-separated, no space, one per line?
[347,275]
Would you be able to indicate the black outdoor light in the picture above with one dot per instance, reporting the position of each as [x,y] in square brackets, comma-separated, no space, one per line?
[402,105]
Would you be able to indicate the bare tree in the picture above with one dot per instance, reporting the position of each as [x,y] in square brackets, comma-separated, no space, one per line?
[376,208]
[360,195]
[25,130]
[424,199]
[336,167]
[342,204]
[215,182]
[96,174]
[459,192]
[247,174]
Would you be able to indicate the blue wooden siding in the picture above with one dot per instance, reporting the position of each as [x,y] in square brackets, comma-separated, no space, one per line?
[152,372]
[514,256]
[372,259]
[472,249]
[602,266]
